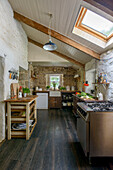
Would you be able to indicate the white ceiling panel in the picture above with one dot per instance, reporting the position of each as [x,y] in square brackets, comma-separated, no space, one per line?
[64,15]
[62,47]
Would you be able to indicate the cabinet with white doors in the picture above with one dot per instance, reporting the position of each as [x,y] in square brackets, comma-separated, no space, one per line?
[42,100]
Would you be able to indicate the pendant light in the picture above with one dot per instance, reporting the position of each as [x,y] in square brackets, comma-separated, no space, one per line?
[50,46]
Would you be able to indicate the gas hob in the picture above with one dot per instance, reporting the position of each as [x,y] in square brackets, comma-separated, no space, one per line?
[104,106]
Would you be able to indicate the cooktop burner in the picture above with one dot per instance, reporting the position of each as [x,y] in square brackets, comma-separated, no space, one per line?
[101,106]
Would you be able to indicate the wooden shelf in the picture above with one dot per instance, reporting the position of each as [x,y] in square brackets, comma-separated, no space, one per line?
[67,94]
[33,128]
[67,100]
[102,83]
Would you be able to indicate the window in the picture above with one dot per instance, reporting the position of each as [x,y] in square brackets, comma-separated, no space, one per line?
[94,24]
[54,80]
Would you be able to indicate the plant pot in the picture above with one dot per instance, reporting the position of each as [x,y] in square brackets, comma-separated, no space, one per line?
[25,94]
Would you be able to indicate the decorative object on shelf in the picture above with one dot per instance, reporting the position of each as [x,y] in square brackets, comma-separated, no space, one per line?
[34,75]
[14,90]
[76,76]
[72,88]
[62,88]
[47,87]
[54,84]
[102,78]
[13,74]
[68,88]
[100,96]
[26,91]
[20,92]
[50,46]
[36,88]
[86,83]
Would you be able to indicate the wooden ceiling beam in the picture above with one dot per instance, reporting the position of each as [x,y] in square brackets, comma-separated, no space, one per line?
[56,35]
[57,53]
[104,5]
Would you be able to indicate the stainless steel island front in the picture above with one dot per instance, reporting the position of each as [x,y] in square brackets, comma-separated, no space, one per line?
[95,131]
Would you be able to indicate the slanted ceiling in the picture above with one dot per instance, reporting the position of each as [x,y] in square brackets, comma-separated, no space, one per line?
[64,15]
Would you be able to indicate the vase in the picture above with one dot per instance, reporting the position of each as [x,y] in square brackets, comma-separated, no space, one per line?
[25,94]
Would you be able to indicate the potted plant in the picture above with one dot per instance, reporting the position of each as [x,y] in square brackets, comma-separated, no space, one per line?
[25,91]
[47,87]
[62,88]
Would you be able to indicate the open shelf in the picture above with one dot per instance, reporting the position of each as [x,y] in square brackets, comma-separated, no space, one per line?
[101,83]
[67,99]
[21,118]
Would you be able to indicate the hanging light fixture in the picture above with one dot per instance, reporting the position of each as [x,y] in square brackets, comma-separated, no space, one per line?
[50,46]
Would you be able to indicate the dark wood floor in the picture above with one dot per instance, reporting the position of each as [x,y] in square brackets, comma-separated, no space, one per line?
[53,146]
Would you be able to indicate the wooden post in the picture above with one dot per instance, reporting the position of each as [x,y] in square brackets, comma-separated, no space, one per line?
[9,120]
[27,121]
[84,79]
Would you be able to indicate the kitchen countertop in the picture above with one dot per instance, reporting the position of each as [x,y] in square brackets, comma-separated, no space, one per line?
[84,100]
[43,91]
[23,99]
[47,91]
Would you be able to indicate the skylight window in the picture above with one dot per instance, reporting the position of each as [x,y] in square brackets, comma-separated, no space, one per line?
[94,24]
[98,23]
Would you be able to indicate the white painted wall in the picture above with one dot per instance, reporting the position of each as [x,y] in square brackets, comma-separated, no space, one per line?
[13,52]
[90,77]
[90,68]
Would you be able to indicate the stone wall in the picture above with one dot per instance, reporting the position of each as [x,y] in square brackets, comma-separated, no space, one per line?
[105,65]
[13,53]
[25,79]
[41,71]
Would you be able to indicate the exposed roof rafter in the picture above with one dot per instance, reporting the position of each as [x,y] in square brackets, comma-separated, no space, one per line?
[57,53]
[56,35]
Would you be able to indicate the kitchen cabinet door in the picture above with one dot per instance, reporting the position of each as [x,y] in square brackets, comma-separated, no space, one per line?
[54,102]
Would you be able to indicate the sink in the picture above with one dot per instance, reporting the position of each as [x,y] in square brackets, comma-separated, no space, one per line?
[55,93]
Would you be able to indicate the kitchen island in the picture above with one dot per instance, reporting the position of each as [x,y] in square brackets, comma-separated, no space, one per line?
[21,112]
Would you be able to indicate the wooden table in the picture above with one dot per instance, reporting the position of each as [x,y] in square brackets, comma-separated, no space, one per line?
[15,107]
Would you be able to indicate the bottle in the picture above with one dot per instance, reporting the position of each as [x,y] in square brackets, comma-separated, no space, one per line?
[101,78]
[105,78]
[98,78]
[20,92]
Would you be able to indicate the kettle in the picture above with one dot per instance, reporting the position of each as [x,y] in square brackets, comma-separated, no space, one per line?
[100,96]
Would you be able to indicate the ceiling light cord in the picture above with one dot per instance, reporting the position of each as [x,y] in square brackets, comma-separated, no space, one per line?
[49,30]
[50,46]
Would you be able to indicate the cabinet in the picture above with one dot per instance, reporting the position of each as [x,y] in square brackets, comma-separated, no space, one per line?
[42,100]
[20,113]
[54,102]
[67,98]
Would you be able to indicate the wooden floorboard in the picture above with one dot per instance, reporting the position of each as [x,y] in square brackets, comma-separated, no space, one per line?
[54,145]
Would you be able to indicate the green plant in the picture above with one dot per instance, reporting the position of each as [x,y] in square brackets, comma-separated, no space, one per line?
[54,84]
[62,88]
[47,87]
[26,90]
